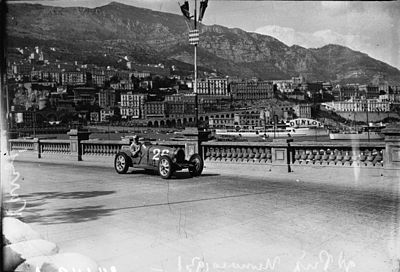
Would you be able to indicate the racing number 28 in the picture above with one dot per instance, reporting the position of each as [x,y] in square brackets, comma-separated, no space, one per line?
[157,152]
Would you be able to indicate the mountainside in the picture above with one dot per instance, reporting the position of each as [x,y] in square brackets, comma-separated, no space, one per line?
[147,36]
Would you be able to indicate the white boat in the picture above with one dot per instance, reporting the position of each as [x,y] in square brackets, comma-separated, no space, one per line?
[288,132]
[294,128]
[374,134]
[251,132]
[357,136]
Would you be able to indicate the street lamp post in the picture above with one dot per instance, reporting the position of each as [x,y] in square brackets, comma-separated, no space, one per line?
[366,100]
[194,40]
[196,102]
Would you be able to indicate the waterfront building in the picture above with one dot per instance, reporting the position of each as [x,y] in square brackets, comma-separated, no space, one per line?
[221,122]
[154,109]
[358,105]
[210,103]
[302,110]
[132,105]
[249,119]
[174,108]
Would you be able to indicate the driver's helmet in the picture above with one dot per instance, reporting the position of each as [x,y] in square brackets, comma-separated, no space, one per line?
[135,138]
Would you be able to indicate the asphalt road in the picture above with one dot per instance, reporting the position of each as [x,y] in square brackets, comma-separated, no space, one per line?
[216,222]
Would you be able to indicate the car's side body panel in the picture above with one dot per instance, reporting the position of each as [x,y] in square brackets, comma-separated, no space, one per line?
[149,155]
[161,158]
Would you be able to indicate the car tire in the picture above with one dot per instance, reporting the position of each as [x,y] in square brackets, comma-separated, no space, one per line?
[121,163]
[197,169]
[165,167]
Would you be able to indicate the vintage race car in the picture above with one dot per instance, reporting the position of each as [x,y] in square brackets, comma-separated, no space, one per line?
[166,160]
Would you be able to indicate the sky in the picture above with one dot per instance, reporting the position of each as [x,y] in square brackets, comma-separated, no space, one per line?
[372,27]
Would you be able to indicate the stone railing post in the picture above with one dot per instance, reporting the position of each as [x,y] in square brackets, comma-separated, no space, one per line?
[76,136]
[289,154]
[37,147]
[392,148]
[282,153]
[194,138]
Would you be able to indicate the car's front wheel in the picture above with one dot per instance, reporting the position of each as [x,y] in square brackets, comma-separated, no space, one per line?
[198,165]
[121,163]
[165,167]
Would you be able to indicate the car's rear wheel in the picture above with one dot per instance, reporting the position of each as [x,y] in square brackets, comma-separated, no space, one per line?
[198,165]
[165,167]
[121,163]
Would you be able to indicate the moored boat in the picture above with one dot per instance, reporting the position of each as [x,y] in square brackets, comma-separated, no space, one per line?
[366,133]
[359,136]
[294,128]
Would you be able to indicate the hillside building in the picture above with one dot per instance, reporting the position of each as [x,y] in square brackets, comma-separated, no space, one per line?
[213,86]
[251,90]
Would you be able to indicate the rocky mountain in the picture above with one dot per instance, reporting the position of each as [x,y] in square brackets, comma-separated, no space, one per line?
[147,36]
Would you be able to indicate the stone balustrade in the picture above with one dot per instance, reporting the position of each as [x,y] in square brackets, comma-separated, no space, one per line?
[22,144]
[89,147]
[240,152]
[101,148]
[55,146]
[110,148]
[338,155]
[282,152]
[304,153]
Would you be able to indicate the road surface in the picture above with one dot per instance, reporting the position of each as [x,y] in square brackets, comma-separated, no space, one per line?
[216,222]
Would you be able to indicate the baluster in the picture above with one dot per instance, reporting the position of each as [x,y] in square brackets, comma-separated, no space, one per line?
[303,156]
[339,158]
[269,155]
[251,155]
[297,156]
[263,155]
[101,149]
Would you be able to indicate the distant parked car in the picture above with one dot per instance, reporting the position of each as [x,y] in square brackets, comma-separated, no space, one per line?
[166,160]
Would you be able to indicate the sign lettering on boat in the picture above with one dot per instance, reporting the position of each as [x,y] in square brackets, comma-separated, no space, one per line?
[305,122]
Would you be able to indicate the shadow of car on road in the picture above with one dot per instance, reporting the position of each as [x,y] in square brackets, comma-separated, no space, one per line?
[176,175]
[70,215]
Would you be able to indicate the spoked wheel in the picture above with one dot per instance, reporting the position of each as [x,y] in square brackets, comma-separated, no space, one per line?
[165,168]
[198,165]
[121,163]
